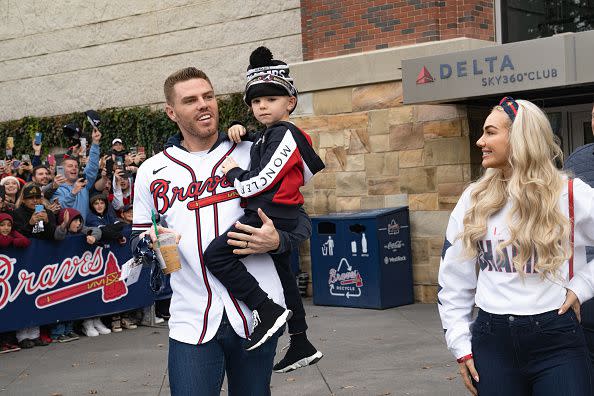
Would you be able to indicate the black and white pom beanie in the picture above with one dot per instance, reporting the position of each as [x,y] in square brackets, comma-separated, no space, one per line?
[267,77]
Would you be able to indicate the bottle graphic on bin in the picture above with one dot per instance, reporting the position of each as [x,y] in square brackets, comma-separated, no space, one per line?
[363,244]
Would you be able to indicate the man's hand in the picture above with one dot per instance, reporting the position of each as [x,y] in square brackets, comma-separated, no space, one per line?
[161,230]
[96,136]
[79,185]
[254,240]
[58,181]
[36,217]
[236,132]
[55,206]
[36,147]
[467,370]
[91,239]
[228,164]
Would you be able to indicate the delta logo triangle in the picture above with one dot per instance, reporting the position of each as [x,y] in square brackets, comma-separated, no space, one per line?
[424,76]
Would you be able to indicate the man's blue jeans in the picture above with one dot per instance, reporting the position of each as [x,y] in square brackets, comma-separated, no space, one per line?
[540,355]
[199,370]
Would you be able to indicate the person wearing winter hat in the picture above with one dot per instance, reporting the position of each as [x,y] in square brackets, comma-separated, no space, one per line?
[287,150]
[31,218]
[10,236]
[12,186]
[70,222]
[30,336]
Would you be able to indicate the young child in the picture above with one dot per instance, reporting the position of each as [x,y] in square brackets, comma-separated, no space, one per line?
[70,221]
[282,160]
[28,337]
[10,237]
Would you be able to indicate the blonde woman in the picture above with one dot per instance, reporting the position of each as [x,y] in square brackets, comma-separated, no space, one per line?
[508,250]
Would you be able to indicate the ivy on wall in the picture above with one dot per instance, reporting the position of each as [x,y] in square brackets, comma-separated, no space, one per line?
[136,126]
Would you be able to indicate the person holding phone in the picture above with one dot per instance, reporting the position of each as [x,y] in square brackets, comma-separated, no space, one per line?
[75,191]
[31,217]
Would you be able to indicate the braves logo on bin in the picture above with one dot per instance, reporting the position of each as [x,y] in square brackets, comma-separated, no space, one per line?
[345,282]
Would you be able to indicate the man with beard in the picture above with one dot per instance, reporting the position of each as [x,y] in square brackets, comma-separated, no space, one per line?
[184,184]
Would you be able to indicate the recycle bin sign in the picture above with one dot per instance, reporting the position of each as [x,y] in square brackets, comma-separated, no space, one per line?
[362,259]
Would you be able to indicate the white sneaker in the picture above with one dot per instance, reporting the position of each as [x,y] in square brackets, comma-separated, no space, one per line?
[100,327]
[159,320]
[88,328]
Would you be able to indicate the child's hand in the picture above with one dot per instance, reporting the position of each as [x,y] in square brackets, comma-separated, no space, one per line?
[236,132]
[228,164]
[90,239]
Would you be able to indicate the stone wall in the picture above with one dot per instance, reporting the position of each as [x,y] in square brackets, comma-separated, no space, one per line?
[339,27]
[379,153]
[63,56]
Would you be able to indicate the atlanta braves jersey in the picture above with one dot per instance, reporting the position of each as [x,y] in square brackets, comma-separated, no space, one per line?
[499,289]
[192,197]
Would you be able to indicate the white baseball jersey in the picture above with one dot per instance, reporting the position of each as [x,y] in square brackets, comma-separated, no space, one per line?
[499,289]
[192,197]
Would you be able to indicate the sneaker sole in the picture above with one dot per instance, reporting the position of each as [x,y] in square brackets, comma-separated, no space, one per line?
[308,361]
[280,322]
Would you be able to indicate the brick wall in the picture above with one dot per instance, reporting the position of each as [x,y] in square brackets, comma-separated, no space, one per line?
[339,27]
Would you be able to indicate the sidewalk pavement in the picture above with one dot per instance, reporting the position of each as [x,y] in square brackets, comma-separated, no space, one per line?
[397,351]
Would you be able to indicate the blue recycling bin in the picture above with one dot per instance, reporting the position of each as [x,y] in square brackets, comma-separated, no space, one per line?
[362,259]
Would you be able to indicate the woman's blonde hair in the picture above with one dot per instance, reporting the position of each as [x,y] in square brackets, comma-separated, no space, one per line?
[536,224]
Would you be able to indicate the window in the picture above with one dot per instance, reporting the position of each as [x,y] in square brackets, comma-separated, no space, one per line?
[530,19]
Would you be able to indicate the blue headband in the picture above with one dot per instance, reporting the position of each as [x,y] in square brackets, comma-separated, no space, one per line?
[510,106]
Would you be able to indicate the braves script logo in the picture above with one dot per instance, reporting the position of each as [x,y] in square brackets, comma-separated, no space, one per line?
[164,198]
[347,283]
[90,263]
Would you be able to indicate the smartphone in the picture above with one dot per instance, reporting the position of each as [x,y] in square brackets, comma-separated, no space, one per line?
[38,136]
[119,161]
[2,163]
[26,158]
[60,170]
[16,164]
[8,154]
[133,151]
[39,208]
[140,150]
[83,144]
[51,159]
[9,143]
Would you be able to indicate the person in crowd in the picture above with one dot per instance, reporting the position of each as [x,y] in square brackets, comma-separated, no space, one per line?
[207,327]
[42,176]
[74,193]
[117,148]
[9,236]
[24,170]
[28,337]
[581,164]
[130,319]
[31,217]
[272,97]
[523,226]
[12,186]
[70,222]
[123,190]
[3,207]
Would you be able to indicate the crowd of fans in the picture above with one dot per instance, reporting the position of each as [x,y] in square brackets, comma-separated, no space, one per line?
[50,198]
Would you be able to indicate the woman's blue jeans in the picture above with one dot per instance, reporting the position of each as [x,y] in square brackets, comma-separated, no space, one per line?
[199,370]
[538,355]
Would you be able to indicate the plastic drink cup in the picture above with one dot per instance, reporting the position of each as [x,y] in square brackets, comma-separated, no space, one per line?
[167,253]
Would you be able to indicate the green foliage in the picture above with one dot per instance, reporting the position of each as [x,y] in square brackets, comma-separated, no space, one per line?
[136,126]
